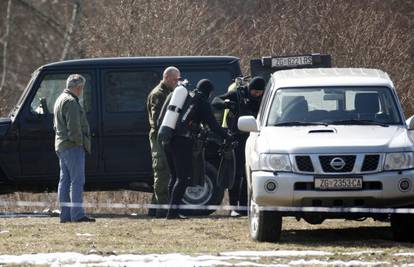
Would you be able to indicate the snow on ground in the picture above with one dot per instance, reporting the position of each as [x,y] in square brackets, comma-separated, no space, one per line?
[337,263]
[235,258]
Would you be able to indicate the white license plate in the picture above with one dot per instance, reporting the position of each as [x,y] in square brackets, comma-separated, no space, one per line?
[338,183]
[292,61]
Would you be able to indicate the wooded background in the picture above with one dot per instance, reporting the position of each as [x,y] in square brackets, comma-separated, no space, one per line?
[369,33]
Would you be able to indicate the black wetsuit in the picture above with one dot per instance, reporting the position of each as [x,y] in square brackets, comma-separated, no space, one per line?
[243,104]
[180,154]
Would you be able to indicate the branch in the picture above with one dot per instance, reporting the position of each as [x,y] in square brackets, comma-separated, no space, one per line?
[5,45]
[69,29]
[57,27]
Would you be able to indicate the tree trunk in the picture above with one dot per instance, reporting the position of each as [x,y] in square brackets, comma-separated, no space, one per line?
[5,45]
[70,28]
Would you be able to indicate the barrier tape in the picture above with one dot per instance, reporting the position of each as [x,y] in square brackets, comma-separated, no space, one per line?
[212,207]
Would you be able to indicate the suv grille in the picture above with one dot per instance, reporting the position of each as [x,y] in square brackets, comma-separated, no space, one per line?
[349,161]
[304,163]
[370,163]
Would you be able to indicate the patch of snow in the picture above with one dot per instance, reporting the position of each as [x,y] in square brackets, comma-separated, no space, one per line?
[277,253]
[159,260]
[337,263]
[84,234]
[405,254]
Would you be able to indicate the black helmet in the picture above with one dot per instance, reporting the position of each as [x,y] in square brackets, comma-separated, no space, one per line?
[257,83]
[205,87]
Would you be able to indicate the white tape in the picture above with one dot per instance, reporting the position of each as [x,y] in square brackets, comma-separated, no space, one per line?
[110,205]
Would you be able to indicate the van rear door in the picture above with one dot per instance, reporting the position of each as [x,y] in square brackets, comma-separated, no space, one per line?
[125,144]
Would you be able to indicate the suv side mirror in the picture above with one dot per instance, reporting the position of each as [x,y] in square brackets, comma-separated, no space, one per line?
[247,124]
[410,123]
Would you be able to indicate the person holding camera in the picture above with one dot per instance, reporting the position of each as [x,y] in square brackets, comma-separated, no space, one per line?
[240,100]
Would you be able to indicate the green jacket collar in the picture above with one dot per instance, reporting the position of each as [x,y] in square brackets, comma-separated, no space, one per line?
[67,91]
[165,88]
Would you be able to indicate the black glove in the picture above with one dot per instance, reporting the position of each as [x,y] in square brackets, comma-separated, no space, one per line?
[229,104]
[229,138]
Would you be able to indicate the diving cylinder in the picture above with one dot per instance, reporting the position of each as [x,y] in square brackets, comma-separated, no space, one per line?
[169,121]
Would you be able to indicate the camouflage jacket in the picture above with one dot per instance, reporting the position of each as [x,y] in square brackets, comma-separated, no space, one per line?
[70,123]
[155,101]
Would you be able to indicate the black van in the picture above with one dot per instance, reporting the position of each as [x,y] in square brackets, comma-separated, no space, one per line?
[114,98]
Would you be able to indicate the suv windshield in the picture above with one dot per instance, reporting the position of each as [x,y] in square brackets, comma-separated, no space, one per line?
[333,105]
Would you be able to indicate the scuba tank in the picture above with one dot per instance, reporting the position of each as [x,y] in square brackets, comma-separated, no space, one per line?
[174,109]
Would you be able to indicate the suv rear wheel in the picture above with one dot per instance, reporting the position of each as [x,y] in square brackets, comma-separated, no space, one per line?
[265,226]
[209,194]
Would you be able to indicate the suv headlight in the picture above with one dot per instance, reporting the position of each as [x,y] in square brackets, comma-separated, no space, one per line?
[274,162]
[399,161]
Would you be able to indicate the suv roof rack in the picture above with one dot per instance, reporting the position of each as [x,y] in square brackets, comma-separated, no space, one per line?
[265,66]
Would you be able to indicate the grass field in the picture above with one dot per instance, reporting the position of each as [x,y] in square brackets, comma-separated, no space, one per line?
[118,232]
[346,240]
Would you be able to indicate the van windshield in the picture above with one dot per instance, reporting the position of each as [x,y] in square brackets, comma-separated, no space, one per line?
[334,105]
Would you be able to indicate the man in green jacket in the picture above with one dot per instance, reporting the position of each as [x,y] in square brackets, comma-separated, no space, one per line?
[155,101]
[72,139]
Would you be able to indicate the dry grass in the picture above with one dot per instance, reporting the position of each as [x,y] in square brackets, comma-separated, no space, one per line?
[211,235]
[122,196]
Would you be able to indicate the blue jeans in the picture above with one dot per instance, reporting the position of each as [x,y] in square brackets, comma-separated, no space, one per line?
[72,180]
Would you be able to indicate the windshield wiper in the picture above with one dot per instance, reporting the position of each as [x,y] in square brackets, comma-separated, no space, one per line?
[299,123]
[359,122]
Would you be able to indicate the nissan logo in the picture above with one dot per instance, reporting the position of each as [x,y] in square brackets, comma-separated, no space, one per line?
[337,163]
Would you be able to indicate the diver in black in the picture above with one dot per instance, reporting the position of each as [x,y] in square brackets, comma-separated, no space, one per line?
[240,101]
[196,111]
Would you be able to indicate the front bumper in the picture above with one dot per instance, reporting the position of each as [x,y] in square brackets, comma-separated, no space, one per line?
[288,194]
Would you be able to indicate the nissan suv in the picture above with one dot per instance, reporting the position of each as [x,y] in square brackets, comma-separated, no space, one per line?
[327,142]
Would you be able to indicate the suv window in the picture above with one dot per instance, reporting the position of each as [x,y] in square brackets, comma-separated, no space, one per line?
[127,91]
[333,105]
[51,87]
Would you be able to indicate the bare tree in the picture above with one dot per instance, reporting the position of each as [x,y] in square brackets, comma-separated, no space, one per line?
[6,44]
[70,28]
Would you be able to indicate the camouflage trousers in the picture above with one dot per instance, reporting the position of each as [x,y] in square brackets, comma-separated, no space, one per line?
[160,170]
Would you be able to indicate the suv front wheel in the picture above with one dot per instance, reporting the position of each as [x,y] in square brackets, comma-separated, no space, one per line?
[265,226]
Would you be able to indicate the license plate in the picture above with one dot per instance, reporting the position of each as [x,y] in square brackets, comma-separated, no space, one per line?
[292,61]
[338,183]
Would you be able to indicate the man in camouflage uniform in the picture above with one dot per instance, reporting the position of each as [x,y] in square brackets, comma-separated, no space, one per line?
[155,101]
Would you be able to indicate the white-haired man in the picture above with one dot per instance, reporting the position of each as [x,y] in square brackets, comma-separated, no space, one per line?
[72,139]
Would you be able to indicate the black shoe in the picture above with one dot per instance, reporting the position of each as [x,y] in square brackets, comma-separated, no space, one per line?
[176,217]
[161,213]
[152,213]
[65,221]
[85,219]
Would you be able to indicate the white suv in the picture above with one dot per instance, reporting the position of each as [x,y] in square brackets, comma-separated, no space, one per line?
[332,137]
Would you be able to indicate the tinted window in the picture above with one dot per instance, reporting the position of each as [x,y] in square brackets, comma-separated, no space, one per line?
[127,91]
[51,87]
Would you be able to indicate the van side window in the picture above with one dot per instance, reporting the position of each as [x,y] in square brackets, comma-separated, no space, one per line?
[51,87]
[127,91]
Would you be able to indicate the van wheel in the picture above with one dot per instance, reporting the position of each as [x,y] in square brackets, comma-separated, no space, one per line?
[401,226]
[209,194]
[265,226]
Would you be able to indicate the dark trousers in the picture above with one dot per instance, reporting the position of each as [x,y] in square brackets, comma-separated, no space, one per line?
[238,194]
[180,158]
